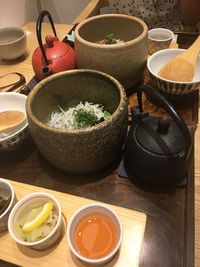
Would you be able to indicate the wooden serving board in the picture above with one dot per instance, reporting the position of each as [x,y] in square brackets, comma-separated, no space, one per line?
[59,254]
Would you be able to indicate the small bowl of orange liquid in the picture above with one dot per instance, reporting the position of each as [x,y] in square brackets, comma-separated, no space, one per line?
[94,233]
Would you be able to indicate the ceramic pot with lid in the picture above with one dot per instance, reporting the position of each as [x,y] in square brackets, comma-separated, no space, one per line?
[54,56]
[157,149]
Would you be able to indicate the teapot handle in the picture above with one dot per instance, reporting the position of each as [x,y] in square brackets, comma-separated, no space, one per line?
[39,28]
[171,111]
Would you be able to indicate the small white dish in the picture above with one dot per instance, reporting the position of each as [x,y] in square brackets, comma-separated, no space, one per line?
[17,211]
[6,190]
[92,210]
[13,42]
[13,101]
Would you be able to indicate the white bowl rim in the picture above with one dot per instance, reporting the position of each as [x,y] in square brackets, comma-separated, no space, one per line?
[12,135]
[156,54]
[81,130]
[25,125]
[20,203]
[9,185]
[112,253]
[160,29]
[19,29]
[114,46]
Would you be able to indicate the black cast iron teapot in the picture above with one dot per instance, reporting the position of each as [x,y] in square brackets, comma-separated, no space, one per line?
[157,149]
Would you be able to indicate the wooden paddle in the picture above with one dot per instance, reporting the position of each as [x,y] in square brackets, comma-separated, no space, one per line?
[10,119]
[182,67]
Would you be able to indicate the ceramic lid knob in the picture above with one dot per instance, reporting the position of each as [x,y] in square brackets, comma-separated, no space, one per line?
[163,125]
[49,40]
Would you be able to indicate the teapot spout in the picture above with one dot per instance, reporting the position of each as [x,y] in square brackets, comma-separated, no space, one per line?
[46,71]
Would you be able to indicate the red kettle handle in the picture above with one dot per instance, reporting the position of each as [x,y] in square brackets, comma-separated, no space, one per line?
[39,28]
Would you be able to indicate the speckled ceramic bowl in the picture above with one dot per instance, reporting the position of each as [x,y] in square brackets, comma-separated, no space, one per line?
[87,149]
[124,61]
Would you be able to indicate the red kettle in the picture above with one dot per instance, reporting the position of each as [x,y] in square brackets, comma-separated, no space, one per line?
[54,56]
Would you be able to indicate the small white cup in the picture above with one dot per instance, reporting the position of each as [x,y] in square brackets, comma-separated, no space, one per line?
[158,39]
[24,203]
[78,216]
[13,42]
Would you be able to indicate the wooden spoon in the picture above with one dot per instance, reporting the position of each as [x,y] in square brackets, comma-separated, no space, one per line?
[182,67]
[10,119]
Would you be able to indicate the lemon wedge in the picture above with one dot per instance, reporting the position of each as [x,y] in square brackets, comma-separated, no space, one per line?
[33,223]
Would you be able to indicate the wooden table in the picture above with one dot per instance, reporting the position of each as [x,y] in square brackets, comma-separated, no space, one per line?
[24,64]
[29,166]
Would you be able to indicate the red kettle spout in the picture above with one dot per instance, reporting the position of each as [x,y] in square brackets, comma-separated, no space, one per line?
[46,71]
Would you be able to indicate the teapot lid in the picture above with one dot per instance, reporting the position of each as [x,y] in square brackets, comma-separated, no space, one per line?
[54,48]
[159,135]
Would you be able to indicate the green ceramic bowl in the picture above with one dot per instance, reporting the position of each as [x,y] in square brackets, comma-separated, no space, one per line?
[87,149]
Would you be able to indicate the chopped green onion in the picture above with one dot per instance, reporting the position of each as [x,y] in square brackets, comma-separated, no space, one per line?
[84,118]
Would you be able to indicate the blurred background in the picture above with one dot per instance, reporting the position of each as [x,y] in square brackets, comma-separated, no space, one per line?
[18,12]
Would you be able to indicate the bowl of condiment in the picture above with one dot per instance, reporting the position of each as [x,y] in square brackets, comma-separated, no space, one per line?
[158,60]
[13,122]
[7,200]
[94,233]
[78,119]
[115,44]
[35,221]
[13,42]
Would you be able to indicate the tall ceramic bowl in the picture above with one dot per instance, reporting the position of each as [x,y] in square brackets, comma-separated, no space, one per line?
[124,61]
[81,150]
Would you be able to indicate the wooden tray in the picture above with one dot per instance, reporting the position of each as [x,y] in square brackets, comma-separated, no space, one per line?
[186,105]
[133,222]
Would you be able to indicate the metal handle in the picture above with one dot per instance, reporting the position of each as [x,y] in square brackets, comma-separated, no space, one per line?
[12,86]
[171,111]
[39,28]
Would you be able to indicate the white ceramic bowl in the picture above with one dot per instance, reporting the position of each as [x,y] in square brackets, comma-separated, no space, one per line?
[82,213]
[6,190]
[13,138]
[27,201]
[13,42]
[158,60]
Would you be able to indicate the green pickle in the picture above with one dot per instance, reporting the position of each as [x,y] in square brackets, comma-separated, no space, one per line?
[42,230]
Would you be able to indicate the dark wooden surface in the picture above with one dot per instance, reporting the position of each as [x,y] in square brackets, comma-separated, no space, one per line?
[168,240]
[165,236]
[186,105]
